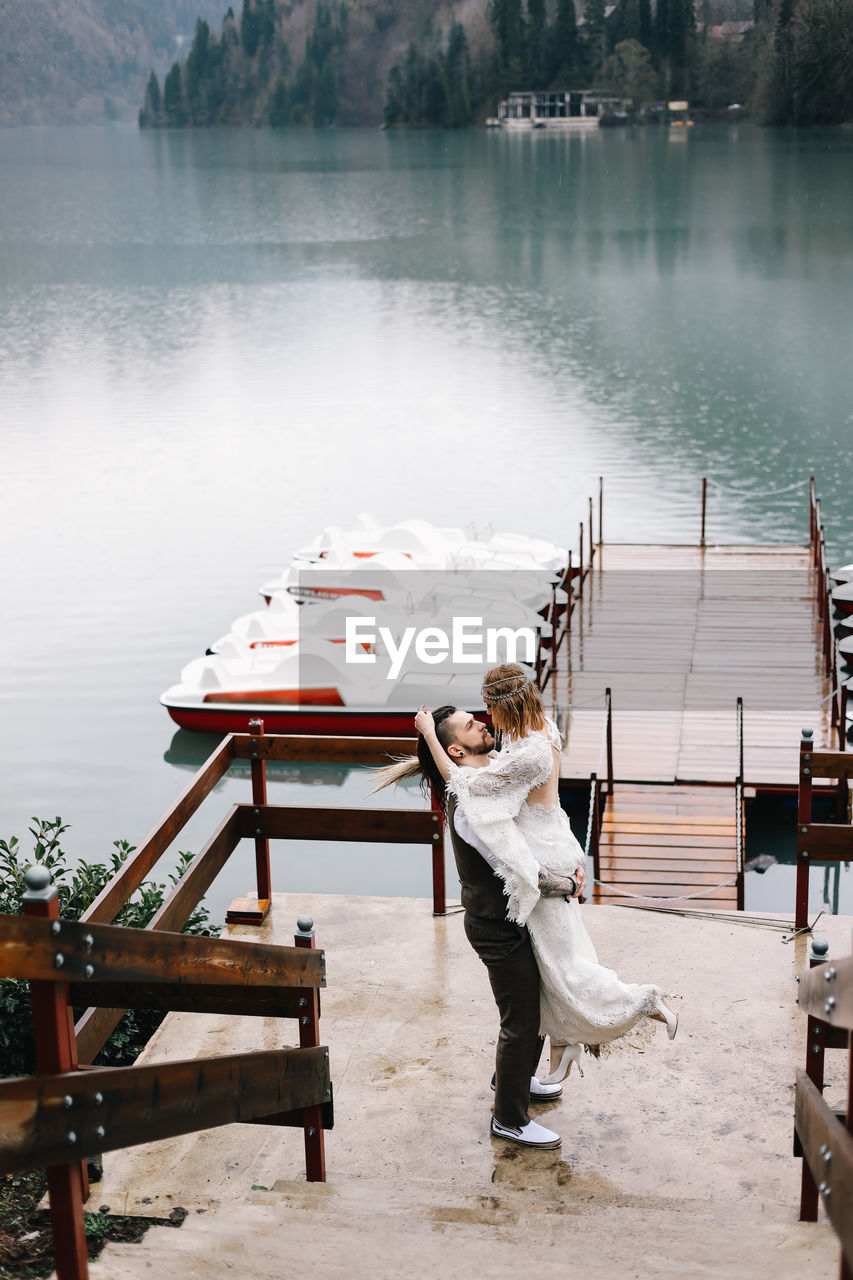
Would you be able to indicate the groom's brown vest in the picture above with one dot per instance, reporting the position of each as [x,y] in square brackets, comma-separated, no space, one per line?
[482,891]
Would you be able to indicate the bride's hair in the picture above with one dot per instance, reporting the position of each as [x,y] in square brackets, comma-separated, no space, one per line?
[422,764]
[513,700]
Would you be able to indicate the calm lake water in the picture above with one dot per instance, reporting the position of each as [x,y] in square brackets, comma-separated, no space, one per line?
[213,344]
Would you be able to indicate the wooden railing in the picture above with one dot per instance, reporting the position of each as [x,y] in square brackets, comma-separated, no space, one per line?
[56,1119]
[262,822]
[823,1137]
[820,841]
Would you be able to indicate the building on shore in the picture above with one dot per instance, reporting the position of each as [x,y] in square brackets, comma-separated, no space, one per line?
[531,109]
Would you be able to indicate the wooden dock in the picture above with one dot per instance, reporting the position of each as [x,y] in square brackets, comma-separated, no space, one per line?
[670,840]
[679,634]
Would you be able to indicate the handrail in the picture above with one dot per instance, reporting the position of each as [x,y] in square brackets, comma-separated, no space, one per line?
[60,1116]
[262,822]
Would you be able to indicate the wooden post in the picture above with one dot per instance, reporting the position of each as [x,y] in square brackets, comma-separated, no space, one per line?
[815,1052]
[259,797]
[55,1054]
[804,817]
[591,539]
[580,562]
[704,508]
[256,910]
[811,516]
[439,886]
[601,511]
[309,1037]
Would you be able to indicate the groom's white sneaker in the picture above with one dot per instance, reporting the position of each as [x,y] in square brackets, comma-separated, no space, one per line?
[529,1135]
[540,1092]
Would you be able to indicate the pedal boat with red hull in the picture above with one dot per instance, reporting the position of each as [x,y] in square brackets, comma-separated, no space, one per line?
[307,689]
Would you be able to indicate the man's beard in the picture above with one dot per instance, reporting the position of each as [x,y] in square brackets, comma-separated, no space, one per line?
[483,749]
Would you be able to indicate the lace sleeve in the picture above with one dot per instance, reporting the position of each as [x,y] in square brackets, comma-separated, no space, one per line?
[515,771]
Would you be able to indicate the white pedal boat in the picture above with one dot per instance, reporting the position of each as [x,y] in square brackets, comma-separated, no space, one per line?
[309,689]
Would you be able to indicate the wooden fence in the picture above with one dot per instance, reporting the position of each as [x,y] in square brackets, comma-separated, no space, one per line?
[59,1117]
[821,841]
[822,1136]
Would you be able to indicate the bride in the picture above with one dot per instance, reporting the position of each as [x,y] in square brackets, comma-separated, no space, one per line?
[512,807]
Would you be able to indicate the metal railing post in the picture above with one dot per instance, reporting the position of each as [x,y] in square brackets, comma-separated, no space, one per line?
[815,1055]
[594,847]
[309,1038]
[259,798]
[580,562]
[439,886]
[609,699]
[704,508]
[804,817]
[55,1055]
[741,873]
[601,511]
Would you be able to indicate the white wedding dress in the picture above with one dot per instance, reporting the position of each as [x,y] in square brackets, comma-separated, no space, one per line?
[582,1002]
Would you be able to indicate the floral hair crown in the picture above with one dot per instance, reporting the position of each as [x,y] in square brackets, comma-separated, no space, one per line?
[499,697]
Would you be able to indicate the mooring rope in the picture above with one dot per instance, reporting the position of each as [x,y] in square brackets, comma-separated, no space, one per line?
[666,897]
[756,493]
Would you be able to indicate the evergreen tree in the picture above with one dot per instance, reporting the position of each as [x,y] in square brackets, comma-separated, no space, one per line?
[196,68]
[507,21]
[457,78]
[628,22]
[537,44]
[644,10]
[149,114]
[279,106]
[251,26]
[173,97]
[595,34]
[566,44]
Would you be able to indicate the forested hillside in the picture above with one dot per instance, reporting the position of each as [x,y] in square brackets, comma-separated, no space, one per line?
[447,64]
[81,60]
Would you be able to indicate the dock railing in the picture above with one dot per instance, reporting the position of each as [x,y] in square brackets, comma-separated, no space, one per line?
[824,1137]
[740,851]
[599,795]
[820,841]
[261,822]
[59,1117]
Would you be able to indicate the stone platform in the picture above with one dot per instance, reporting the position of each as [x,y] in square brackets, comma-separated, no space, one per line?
[675,1160]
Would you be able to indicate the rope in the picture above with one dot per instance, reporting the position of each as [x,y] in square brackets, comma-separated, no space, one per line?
[756,493]
[667,897]
[726,917]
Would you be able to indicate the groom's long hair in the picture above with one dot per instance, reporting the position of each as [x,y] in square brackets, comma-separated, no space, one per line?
[421,765]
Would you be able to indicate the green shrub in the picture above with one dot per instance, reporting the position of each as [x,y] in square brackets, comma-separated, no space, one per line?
[78,887]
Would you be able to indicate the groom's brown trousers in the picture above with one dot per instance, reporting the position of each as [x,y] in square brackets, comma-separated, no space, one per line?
[506,952]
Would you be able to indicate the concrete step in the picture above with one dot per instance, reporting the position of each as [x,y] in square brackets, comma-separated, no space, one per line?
[368,1228]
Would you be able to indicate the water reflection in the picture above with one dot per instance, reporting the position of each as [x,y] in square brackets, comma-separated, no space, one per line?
[213,343]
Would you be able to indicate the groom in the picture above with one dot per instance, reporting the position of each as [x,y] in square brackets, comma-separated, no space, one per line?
[504,948]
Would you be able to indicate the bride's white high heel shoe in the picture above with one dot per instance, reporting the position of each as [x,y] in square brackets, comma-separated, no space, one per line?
[571,1054]
[670,1018]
